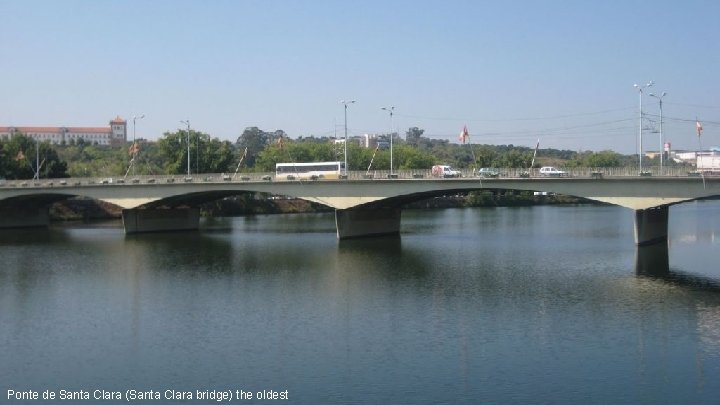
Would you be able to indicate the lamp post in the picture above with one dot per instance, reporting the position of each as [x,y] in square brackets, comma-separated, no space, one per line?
[390,110]
[345,103]
[662,144]
[187,122]
[134,145]
[640,92]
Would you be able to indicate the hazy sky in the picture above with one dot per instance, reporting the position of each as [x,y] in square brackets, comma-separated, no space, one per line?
[512,71]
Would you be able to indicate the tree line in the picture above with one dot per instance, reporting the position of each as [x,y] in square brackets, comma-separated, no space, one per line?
[256,150]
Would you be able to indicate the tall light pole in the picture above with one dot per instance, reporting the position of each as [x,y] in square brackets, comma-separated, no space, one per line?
[134,145]
[662,144]
[187,122]
[345,103]
[390,110]
[640,92]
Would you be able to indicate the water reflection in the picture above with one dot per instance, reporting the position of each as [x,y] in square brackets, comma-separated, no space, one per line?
[653,262]
[491,305]
[384,258]
[708,327]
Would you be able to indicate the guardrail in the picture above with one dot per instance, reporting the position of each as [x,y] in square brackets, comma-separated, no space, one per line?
[375,175]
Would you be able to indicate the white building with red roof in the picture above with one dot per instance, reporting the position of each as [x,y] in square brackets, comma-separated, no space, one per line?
[114,134]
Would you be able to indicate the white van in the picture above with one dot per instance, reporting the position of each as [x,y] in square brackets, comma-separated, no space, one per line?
[444,171]
[549,171]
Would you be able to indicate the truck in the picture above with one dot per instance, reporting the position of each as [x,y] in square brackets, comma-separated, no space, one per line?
[708,164]
[444,171]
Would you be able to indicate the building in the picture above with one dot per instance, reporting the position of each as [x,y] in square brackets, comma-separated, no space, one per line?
[114,134]
[374,141]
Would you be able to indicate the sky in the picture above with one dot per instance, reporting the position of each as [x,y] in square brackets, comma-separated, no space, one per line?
[513,72]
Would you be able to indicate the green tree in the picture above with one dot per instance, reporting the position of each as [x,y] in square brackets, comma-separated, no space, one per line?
[217,156]
[515,158]
[604,158]
[256,140]
[486,156]
[413,135]
[207,155]
[408,158]
[22,155]
[290,151]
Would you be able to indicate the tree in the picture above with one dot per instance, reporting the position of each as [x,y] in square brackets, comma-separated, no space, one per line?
[486,156]
[21,155]
[604,158]
[409,158]
[289,151]
[515,158]
[256,140]
[207,155]
[214,155]
[413,135]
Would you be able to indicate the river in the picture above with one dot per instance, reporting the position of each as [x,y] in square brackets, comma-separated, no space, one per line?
[546,304]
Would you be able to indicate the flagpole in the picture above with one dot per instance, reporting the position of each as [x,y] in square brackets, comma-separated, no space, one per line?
[699,128]
[532,163]
[640,132]
[464,135]
[37,160]
[239,163]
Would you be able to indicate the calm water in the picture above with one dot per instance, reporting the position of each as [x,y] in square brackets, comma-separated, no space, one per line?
[506,305]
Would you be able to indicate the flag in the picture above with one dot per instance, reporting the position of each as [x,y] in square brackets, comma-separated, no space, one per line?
[20,156]
[464,135]
[698,127]
[133,149]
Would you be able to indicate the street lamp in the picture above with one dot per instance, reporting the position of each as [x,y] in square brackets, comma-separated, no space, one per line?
[134,145]
[345,103]
[390,110]
[640,91]
[187,122]
[662,144]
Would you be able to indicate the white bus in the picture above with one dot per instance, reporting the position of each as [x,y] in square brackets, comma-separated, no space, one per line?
[312,170]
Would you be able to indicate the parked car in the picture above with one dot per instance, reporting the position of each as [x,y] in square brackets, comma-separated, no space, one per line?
[445,171]
[550,171]
[488,172]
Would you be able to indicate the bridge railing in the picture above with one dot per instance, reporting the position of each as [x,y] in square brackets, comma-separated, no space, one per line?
[373,175]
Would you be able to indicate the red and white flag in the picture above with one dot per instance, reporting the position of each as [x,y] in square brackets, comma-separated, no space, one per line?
[464,135]
[698,127]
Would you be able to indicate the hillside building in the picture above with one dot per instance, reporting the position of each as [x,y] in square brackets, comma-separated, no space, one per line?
[114,134]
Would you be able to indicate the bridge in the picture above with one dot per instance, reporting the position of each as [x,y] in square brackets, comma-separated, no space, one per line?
[365,205]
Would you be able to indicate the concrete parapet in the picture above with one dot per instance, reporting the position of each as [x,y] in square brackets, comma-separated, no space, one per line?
[160,220]
[357,223]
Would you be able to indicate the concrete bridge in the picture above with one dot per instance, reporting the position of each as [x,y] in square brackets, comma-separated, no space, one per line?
[364,205]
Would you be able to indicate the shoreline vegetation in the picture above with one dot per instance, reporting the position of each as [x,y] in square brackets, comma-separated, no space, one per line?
[85,209]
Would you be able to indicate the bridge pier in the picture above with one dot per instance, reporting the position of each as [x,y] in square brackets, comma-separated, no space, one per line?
[160,220]
[358,223]
[24,217]
[652,260]
[651,225]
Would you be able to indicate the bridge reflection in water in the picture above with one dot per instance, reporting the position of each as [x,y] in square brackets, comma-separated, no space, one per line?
[653,262]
